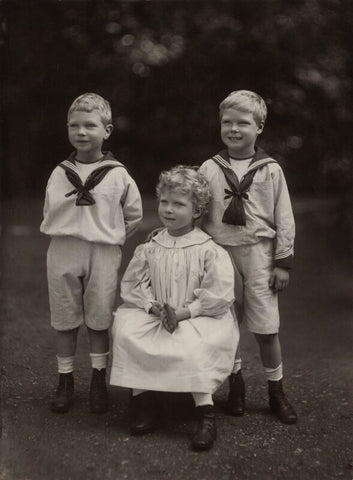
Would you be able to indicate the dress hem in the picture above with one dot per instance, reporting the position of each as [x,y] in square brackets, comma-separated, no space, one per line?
[116,380]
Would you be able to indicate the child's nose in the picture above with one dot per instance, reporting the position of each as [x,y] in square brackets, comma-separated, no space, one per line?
[81,131]
[234,127]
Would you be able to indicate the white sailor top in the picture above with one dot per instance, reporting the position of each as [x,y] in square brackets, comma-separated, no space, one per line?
[107,208]
[265,201]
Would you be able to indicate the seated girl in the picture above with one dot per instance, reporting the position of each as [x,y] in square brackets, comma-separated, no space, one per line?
[175,331]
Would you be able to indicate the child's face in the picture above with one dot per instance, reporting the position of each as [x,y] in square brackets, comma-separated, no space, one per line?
[239,132]
[86,134]
[176,212]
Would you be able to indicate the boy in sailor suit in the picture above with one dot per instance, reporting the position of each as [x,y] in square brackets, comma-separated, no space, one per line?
[91,206]
[251,216]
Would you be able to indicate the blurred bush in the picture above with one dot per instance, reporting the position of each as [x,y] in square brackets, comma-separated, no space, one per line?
[165,66]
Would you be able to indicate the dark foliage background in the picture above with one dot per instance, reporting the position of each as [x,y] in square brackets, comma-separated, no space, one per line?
[165,66]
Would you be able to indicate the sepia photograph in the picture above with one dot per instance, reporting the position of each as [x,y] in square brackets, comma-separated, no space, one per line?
[176,240]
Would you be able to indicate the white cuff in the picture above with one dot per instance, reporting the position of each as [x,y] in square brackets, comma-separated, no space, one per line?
[148,307]
[195,308]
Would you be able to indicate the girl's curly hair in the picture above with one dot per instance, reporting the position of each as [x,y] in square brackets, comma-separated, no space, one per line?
[187,179]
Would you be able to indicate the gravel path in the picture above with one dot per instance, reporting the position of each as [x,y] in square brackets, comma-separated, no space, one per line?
[316,339]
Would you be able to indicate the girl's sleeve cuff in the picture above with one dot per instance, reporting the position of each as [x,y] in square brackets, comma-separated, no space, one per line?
[195,308]
[148,307]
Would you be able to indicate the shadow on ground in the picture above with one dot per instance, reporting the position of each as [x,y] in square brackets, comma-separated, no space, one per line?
[316,336]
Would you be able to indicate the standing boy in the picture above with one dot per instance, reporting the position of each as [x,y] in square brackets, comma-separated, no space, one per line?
[251,216]
[91,206]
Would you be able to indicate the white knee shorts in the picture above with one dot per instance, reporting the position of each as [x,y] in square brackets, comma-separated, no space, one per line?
[82,282]
[257,303]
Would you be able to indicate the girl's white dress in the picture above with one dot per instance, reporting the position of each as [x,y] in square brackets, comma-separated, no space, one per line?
[187,271]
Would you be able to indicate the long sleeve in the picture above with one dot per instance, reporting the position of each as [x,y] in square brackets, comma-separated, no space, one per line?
[132,207]
[216,292]
[136,287]
[284,221]
[46,201]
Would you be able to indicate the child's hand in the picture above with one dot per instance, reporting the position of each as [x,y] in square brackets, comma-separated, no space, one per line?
[279,279]
[168,318]
[156,308]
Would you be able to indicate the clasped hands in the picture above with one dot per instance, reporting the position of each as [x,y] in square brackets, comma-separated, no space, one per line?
[169,316]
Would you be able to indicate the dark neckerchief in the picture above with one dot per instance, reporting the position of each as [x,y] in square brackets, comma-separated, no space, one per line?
[235,213]
[84,196]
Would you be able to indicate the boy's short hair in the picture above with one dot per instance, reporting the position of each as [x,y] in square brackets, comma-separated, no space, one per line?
[89,102]
[246,101]
[187,180]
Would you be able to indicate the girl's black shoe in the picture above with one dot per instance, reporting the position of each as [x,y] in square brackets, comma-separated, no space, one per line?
[206,432]
[64,394]
[143,413]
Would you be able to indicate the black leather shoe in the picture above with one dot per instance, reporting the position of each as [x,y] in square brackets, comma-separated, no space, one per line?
[143,413]
[98,393]
[236,397]
[206,432]
[279,403]
[64,394]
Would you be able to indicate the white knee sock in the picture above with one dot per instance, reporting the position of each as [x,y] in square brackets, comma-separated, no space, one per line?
[274,374]
[65,364]
[202,399]
[99,360]
[237,365]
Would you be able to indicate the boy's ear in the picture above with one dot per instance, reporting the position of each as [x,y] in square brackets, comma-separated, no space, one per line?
[108,130]
[260,128]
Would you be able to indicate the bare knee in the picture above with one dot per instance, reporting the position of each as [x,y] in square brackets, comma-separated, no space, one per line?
[266,340]
[98,333]
[99,340]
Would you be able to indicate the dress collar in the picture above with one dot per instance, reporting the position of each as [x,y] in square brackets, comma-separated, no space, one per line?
[195,237]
